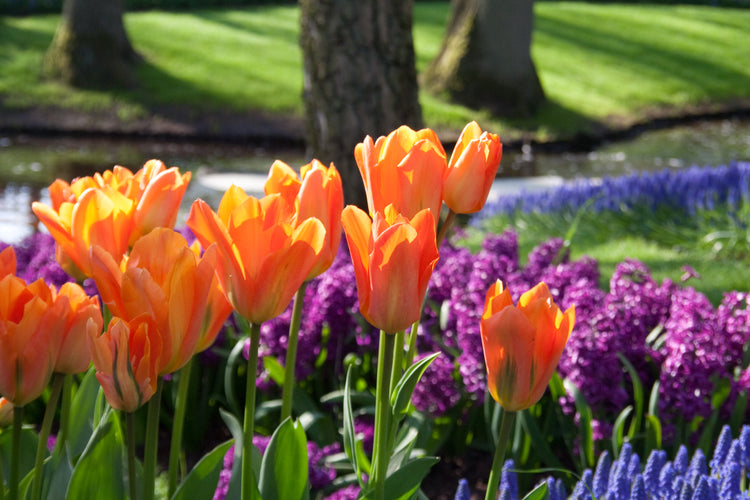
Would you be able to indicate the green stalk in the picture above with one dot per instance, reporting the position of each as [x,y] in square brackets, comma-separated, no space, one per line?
[398,360]
[506,426]
[444,228]
[62,433]
[2,480]
[412,348]
[249,421]
[151,449]
[291,354]
[380,452]
[178,424]
[41,448]
[15,451]
[130,430]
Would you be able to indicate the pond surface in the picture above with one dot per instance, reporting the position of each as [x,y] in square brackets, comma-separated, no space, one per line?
[29,164]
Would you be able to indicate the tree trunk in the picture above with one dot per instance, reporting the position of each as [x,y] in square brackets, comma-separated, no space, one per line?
[359,78]
[90,47]
[485,60]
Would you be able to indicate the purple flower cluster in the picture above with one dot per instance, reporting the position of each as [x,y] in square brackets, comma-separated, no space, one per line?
[624,478]
[687,191]
[35,258]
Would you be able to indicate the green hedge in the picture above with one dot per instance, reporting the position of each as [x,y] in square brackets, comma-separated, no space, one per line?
[20,7]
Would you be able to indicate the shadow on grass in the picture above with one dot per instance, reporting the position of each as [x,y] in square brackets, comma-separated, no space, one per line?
[553,120]
[13,38]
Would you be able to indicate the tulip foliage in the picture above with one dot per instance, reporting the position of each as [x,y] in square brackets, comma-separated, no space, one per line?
[165,301]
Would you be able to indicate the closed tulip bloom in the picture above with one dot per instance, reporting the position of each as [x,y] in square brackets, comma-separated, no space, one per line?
[126,358]
[522,345]
[111,210]
[393,260]
[31,328]
[404,169]
[79,309]
[165,279]
[471,170]
[264,255]
[318,194]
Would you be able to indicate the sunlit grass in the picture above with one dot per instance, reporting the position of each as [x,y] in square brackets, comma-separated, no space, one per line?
[599,63]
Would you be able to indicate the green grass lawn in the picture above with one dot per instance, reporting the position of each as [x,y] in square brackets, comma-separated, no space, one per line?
[598,63]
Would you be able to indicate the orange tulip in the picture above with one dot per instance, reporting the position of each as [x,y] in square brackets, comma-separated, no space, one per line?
[126,359]
[522,345]
[471,170]
[111,210]
[404,169]
[393,260]
[78,309]
[42,330]
[165,279]
[319,194]
[263,257]
[30,336]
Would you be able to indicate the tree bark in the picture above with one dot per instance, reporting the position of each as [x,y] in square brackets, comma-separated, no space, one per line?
[90,48]
[485,61]
[359,78]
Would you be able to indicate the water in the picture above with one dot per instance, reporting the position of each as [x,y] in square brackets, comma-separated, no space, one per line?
[28,165]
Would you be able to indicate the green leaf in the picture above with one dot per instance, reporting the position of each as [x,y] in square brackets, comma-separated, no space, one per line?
[653,433]
[99,472]
[29,440]
[401,395]
[638,397]
[586,434]
[283,471]
[81,423]
[235,428]
[402,450]
[403,483]
[233,360]
[350,437]
[201,482]
[538,440]
[56,475]
[618,428]
[274,369]
[538,493]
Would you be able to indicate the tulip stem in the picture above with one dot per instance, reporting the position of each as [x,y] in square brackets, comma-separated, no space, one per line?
[41,447]
[175,445]
[291,354]
[2,480]
[151,449]
[248,482]
[506,425]
[15,452]
[62,433]
[398,360]
[130,438]
[444,228]
[381,453]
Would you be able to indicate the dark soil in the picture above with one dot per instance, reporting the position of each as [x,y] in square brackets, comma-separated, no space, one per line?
[443,479]
[272,131]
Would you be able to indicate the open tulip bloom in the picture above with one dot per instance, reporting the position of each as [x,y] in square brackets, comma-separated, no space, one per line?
[522,347]
[111,210]
[317,192]
[265,253]
[404,169]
